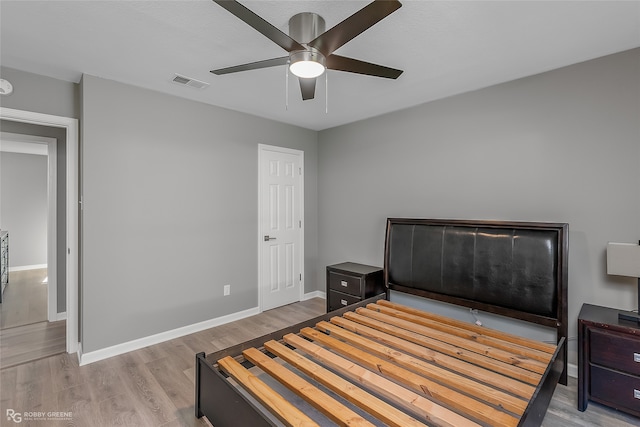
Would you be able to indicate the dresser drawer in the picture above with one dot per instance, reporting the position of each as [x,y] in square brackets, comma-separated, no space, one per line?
[614,350]
[621,391]
[338,300]
[346,284]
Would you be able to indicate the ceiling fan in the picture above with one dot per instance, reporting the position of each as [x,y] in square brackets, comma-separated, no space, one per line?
[310,47]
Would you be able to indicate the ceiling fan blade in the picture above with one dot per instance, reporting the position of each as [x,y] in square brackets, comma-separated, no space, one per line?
[357,23]
[350,65]
[308,88]
[252,66]
[259,24]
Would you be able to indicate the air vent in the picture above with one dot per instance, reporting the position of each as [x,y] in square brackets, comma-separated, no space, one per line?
[187,81]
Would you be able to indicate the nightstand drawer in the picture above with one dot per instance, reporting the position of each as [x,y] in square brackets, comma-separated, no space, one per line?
[607,350]
[347,284]
[338,300]
[350,282]
[617,351]
[618,390]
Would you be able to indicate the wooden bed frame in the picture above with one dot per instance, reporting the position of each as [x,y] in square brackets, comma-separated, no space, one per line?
[514,269]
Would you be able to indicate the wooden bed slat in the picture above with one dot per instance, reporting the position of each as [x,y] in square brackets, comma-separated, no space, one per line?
[475,372]
[277,405]
[330,407]
[523,341]
[447,378]
[496,353]
[373,405]
[462,332]
[435,363]
[448,349]
[431,412]
[452,398]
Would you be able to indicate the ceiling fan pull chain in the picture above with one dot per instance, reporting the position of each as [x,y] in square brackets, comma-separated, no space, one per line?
[286,88]
[326,92]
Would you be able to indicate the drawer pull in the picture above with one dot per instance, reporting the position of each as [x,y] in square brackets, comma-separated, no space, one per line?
[636,357]
[345,284]
[343,301]
[636,393]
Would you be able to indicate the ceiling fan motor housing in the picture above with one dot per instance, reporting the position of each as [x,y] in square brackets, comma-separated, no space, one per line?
[306,26]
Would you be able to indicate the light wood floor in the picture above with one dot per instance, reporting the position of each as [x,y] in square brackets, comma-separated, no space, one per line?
[25,333]
[22,344]
[154,386]
[24,300]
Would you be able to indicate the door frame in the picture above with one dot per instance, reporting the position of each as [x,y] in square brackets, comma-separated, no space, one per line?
[262,148]
[71,127]
[20,144]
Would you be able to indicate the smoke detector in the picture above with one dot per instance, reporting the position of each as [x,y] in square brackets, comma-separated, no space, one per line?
[5,87]
[188,81]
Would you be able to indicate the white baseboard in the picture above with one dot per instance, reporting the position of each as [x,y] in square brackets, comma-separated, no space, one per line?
[105,353]
[572,370]
[27,267]
[315,294]
[94,356]
[60,316]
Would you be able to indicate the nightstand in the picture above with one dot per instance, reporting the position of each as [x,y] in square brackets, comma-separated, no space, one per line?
[349,283]
[608,360]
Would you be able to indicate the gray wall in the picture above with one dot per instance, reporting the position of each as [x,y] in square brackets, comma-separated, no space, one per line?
[40,94]
[61,197]
[23,182]
[171,210]
[560,146]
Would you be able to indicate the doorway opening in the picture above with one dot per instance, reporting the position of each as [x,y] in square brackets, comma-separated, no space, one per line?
[28,197]
[70,126]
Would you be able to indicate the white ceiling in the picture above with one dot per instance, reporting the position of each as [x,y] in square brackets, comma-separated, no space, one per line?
[444,48]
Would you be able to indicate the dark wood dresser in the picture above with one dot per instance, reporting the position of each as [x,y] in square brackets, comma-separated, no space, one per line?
[349,283]
[608,360]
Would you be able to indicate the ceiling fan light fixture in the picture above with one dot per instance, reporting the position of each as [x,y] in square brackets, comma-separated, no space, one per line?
[307,64]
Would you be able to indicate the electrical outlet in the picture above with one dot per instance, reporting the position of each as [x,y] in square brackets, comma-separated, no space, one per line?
[227,290]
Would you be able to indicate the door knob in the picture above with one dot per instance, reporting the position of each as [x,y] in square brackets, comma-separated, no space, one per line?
[267,238]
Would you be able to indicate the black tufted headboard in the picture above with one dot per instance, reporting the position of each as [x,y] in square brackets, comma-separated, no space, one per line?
[515,269]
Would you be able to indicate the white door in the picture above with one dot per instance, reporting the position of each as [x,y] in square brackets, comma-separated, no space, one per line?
[281,232]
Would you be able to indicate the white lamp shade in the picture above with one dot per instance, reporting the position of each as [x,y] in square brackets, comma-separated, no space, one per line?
[307,64]
[623,259]
[307,69]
